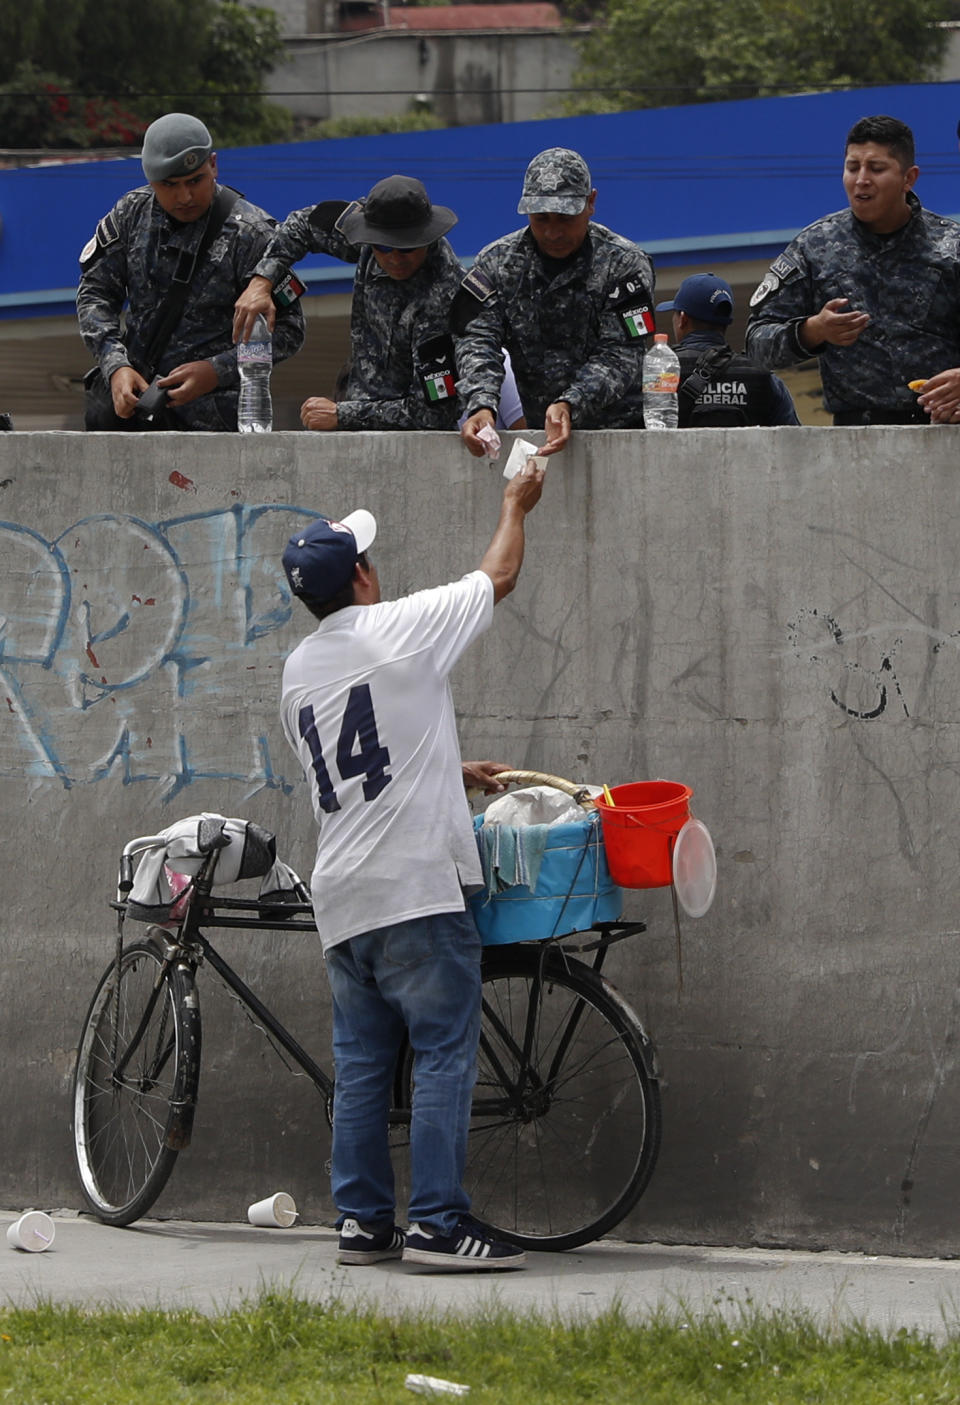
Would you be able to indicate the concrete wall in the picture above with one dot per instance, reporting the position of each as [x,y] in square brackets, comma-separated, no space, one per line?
[772,617]
[469,78]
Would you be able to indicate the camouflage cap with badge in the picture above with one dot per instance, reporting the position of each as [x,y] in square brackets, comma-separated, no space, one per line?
[556,182]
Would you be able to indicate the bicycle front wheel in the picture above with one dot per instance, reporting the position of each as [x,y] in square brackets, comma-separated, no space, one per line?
[566,1115]
[138,1067]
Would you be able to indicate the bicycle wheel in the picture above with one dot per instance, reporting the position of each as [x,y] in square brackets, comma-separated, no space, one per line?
[566,1115]
[138,1066]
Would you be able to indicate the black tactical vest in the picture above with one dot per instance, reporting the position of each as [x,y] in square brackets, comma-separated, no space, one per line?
[720,389]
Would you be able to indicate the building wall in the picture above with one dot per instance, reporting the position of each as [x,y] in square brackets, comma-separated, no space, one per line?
[295,15]
[771,617]
[479,78]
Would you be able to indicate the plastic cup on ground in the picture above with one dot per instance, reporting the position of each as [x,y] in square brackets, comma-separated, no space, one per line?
[434,1385]
[33,1231]
[276,1212]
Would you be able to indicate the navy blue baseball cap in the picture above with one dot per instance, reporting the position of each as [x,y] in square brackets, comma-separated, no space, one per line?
[319,558]
[704,297]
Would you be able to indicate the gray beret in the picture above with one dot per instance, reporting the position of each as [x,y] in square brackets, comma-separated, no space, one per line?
[174,145]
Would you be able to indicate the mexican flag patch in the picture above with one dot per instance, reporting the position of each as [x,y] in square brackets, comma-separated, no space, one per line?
[440,386]
[638,321]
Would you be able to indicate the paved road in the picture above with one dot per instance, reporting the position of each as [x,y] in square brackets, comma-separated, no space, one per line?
[214,1266]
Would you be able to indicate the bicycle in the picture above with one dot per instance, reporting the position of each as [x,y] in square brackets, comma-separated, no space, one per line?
[567,1085]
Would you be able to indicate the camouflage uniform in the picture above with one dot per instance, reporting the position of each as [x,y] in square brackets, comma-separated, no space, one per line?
[909,283]
[392,322]
[133,257]
[575,335]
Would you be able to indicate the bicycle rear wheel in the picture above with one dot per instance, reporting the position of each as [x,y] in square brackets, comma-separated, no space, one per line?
[566,1115]
[138,1067]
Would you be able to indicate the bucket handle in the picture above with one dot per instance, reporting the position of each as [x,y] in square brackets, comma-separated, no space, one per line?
[580,793]
[658,826]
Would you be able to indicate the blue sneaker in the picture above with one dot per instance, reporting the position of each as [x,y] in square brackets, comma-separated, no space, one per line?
[368,1246]
[468,1246]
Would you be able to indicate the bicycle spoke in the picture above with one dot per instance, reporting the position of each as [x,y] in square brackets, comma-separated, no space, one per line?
[124,1104]
[566,1123]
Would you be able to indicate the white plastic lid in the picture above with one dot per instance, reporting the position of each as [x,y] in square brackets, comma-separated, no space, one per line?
[694,868]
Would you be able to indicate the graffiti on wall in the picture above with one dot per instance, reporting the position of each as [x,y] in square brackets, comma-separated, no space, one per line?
[892,669]
[147,651]
[871,683]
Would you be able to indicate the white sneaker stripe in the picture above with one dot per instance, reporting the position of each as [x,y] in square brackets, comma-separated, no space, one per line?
[472,1248]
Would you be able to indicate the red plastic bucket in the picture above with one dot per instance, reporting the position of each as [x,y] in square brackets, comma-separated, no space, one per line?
[639,829]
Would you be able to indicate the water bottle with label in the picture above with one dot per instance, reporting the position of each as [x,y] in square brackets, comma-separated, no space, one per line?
[255,362]
[661,380]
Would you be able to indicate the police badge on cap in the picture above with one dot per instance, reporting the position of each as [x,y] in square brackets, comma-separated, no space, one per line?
[175,145]
[556,182]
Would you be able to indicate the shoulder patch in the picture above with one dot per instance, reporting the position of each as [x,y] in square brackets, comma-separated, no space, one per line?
[106,234]
[437,368]
[782,270]
[634,306]
[478,285]
[785,268]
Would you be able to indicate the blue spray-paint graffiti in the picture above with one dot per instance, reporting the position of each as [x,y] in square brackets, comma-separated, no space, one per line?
[146,651]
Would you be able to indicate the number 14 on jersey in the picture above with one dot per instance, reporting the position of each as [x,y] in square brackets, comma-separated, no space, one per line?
[358,753]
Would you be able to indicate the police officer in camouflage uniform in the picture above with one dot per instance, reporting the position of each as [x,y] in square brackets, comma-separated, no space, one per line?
[940,395]
[572,303]
[719,389]
[149,239]
[872,291]
[402,372]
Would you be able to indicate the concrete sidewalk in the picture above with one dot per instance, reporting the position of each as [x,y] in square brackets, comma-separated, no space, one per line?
[215,1266]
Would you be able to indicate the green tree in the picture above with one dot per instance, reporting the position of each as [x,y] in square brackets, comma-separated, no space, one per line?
[243,44]
[643,53]
[81,73]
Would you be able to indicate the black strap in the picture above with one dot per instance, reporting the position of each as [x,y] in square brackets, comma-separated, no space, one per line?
[712,363]
[176,301]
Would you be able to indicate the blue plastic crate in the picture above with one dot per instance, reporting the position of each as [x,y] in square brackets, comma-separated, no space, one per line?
[574,890]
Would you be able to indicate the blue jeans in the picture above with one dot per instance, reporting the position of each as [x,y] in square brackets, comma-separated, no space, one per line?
[421,977]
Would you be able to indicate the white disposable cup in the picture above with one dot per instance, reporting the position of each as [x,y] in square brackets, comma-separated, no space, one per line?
[276,1212]
[434,1385]
[33,1231]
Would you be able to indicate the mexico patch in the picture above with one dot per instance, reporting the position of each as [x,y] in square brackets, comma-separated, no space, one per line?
[439,385]
[437,376]
[634,307]
[638,321]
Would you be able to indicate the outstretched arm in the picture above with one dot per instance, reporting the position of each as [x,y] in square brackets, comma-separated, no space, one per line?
[504,556]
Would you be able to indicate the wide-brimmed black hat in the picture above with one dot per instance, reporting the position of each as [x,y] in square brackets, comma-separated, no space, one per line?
[397,212]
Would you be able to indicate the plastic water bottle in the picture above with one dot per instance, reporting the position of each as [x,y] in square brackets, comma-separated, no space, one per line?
[255,362]
[661,380]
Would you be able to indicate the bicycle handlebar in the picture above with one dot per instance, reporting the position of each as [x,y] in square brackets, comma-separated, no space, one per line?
[144,841]
[580,793]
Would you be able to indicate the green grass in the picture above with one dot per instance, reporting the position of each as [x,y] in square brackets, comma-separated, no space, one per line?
[285,1351]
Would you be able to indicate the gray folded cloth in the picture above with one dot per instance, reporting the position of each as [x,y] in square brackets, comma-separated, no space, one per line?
[511,855]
